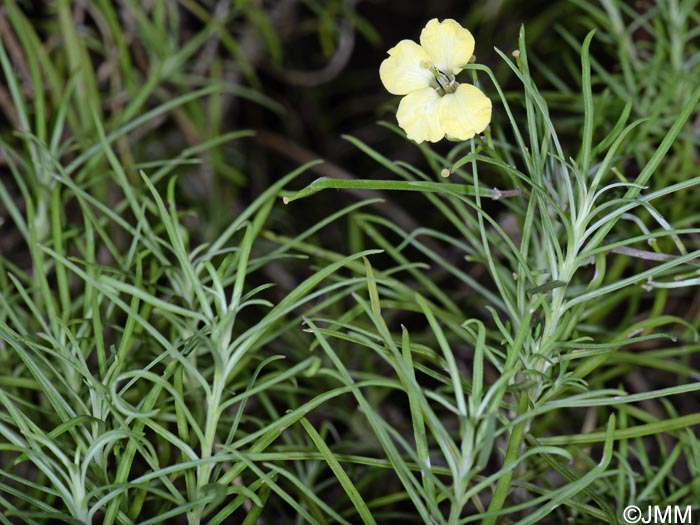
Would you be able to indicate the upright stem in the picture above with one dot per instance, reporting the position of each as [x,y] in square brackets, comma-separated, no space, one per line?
[207,446]
[514,443]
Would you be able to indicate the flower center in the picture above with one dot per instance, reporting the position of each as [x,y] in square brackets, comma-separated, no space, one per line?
[446,83]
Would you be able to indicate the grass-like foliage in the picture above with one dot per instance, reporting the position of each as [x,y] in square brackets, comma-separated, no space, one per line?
[522,349]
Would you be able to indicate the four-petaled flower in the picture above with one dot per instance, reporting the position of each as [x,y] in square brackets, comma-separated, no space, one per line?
[435,105]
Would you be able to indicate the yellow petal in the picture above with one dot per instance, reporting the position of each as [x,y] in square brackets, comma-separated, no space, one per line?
[405,70]
[465,112]
[448,44]
[419,115]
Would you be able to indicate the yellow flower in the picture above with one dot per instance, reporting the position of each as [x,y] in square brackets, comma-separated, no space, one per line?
[435,105]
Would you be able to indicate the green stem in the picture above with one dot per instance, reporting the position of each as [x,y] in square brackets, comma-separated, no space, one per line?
[512,452]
